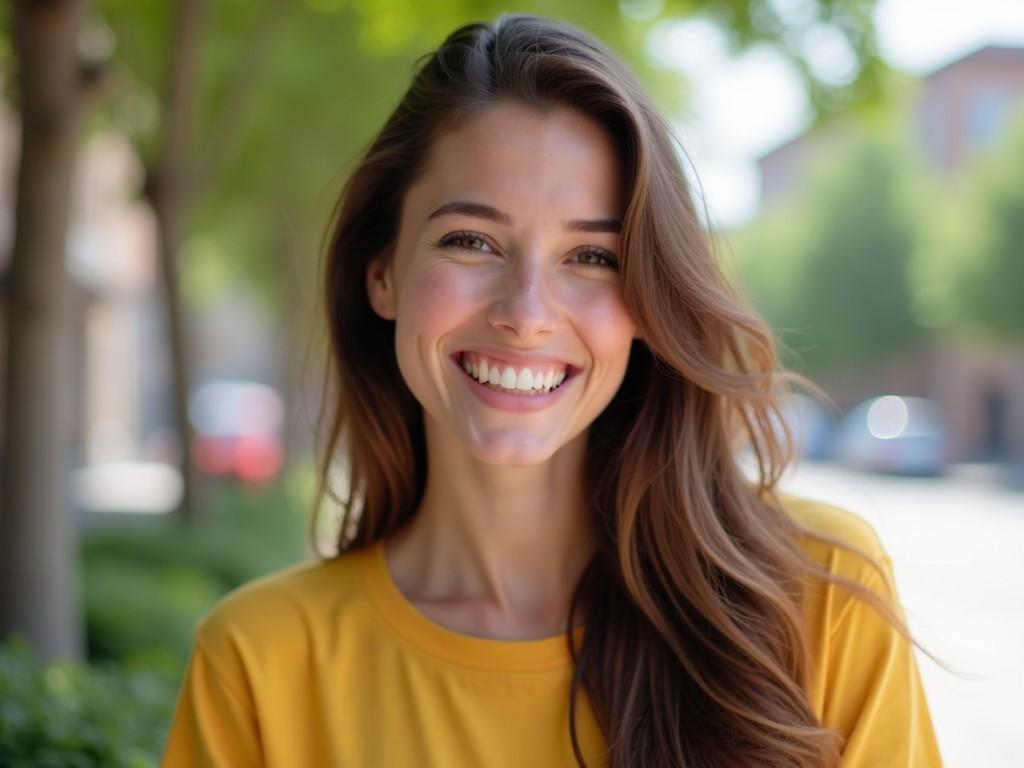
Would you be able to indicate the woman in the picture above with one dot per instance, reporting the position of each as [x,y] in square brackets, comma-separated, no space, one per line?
[549,554]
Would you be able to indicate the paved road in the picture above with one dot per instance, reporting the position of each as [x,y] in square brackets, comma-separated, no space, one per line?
[957,545]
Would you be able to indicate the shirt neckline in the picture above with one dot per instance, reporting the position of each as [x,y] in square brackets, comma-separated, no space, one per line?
[436,640]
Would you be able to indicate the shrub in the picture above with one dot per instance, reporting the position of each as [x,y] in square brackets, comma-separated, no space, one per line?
[145,587]
[131,608]
[68,715]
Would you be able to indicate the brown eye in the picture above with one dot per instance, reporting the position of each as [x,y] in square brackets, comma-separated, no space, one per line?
[467,241]
[596,257]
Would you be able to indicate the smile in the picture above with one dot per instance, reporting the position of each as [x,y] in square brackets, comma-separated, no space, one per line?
[523,379]
[508,387]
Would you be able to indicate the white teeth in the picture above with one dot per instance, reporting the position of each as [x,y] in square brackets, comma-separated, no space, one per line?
[524,380]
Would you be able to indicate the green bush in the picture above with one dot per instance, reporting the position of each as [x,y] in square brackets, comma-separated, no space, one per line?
[69,715]
[130,607]
[145,587]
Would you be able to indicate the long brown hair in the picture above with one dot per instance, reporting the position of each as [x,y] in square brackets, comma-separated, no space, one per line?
[695,651]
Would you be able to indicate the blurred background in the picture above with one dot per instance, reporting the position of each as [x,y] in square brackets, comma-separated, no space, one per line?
[167,172]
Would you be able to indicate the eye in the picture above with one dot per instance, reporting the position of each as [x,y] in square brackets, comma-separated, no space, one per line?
[472,241]
[465,241]
[597,257]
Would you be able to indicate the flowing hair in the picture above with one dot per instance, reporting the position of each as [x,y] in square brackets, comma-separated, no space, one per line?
[695,651]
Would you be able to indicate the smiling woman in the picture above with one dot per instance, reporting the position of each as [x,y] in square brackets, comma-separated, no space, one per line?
[532,289]
[550,554]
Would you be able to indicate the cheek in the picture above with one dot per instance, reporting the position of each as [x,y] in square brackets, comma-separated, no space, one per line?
[605,325]
[434,299]
[433,302]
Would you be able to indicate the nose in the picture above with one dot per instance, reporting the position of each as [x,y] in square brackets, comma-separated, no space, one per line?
[525,305]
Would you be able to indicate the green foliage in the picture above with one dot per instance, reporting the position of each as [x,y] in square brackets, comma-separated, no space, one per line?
[146,587]
[878,250]
[971,267]
[830,269]
[75,716]
[131,607]
[144,590]
[768,260]
[853,290]
[792,29]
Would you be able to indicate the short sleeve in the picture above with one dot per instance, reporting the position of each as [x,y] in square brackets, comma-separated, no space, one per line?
[214,725]
[874,696]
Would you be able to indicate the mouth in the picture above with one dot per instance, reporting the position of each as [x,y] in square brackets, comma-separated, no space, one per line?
[535,379]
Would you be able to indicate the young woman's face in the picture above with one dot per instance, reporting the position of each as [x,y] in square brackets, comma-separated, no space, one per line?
[506,264]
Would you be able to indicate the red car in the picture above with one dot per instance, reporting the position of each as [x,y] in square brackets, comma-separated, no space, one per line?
[237,429]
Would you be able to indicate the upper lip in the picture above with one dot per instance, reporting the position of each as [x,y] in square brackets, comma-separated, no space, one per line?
[518,357]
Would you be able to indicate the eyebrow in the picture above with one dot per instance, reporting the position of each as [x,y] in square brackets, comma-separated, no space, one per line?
[482,211]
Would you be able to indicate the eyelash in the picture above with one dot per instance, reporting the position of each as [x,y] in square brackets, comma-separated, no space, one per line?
[448,240]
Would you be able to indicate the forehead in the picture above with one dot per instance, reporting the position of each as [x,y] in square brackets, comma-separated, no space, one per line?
[517,158]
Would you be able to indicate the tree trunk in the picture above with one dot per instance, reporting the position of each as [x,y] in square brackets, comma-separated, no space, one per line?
[37,545]
[170,196]
[299,359]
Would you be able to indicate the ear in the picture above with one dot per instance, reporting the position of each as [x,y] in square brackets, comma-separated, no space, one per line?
[380,288]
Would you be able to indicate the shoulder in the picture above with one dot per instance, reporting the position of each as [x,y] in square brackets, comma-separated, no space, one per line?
[847,558]
[287,611]
[864,682]
[829,521]
[852,574]
[836,538]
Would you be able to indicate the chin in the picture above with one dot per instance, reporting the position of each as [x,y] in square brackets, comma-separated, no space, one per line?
[512,450]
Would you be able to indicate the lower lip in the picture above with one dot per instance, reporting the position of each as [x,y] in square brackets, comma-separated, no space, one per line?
[504,401]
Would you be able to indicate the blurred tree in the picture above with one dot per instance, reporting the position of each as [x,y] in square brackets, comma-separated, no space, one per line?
[768,257]
[853,291]
[169,188]
[830,269]
[37,553]
[971,266]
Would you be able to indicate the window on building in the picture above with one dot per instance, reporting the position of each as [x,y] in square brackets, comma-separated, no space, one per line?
[987,114]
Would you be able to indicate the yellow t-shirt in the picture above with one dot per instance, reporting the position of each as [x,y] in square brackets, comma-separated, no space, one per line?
[329,664]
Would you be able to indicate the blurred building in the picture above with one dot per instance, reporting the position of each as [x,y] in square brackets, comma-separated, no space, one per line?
[962,107]
[968,104]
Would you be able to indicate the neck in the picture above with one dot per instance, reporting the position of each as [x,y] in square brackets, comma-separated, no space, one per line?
[505,546]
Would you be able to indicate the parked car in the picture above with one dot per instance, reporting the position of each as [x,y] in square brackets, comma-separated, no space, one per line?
[237,429]
[894,434]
